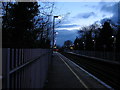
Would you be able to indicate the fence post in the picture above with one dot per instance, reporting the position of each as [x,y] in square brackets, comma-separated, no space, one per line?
[0,68]
[26,74]
[8,67]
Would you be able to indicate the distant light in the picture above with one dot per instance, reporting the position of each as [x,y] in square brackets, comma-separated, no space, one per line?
[56,32]
[59,17]
[55,47]
[112,36]
[93,40]
[71,47]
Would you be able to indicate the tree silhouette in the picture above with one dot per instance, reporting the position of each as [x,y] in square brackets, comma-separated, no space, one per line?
[18,24]
[94,37]
[76,43]
[118,40]
[67,44]
[105,40]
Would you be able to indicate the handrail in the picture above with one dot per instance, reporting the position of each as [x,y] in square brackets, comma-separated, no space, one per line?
[25,64]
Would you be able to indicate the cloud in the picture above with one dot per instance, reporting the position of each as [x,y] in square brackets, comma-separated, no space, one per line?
[104,20]
[64,35]
[116,12]
[66,22]
[85,15]
[68,26]
[111,8]
[108,6]
[89,5]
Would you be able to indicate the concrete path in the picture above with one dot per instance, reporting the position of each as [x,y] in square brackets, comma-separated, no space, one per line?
[66,74]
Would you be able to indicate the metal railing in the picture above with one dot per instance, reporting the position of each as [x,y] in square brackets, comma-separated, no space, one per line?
[99,54]
[25,68]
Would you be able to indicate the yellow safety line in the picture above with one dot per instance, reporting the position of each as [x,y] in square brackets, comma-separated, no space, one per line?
[75,74]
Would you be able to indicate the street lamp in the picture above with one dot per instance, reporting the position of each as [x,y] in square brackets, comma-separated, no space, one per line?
[94,46]
[84,46]
[114,47]
[54,28]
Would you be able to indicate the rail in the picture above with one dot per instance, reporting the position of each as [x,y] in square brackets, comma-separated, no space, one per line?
[105,70]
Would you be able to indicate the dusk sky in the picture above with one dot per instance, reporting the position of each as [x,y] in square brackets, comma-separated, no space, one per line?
[82,14]
[78,14]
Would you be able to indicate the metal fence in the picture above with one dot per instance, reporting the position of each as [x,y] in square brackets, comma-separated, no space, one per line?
[114,56]
[25,68]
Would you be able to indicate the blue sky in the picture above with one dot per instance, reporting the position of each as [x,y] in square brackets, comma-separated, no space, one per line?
[81,14]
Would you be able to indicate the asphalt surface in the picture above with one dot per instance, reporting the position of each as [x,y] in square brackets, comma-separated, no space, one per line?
[65,74]
[60,76]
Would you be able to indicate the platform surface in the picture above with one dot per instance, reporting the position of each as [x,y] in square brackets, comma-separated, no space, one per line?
[66,74]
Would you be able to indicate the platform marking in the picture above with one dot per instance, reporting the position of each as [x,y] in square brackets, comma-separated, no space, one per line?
[107,86]
[75,74]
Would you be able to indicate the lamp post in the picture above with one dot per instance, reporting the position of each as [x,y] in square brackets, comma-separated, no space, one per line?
[84,46]
[94,46]
[54,30]
[114,47]
[77,46]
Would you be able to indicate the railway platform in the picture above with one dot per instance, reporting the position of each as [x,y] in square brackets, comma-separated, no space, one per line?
[66,74]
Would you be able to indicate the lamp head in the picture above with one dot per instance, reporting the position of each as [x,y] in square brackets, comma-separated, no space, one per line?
[56,16]
[59,17]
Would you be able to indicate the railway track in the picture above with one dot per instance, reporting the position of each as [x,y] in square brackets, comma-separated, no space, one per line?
[106,71]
